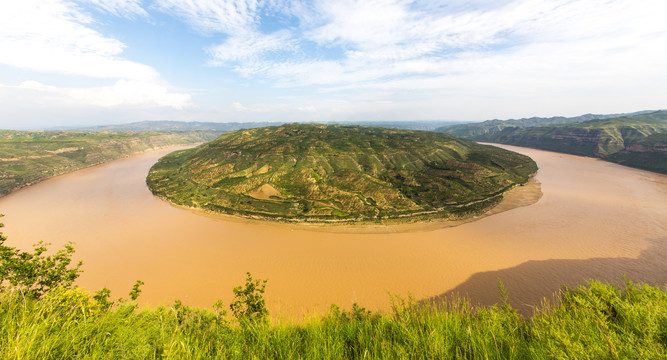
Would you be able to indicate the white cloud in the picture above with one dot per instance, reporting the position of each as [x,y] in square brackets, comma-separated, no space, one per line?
[122,93]
[228,16]
[383,43]
[307,109]
[239,19]
[249,47]
[347,58]
[53,36]
[125,8]
[237,106]
[130,92]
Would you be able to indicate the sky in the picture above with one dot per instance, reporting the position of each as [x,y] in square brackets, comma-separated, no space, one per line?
[91,62]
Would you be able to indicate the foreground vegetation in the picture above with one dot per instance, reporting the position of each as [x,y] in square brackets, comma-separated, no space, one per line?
[27,157]
[638,141]
[43,317]
[597,322]
[339,173]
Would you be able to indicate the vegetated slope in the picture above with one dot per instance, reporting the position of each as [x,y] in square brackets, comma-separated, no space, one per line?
[336,172]
[491,127]
[637,141]
[649,153]
[27,157]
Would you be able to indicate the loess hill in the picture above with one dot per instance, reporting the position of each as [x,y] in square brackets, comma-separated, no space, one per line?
[336,173]
[28,157]
[635,140]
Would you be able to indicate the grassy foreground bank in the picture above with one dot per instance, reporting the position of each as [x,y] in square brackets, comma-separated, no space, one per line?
[596,322]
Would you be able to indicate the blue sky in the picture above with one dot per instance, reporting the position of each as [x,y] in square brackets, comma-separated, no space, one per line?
[85,62]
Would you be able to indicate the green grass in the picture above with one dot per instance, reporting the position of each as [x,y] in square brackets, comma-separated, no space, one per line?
[336,172]
[594,322]
[27,157]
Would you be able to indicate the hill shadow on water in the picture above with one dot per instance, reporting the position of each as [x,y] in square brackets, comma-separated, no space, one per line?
[531,282]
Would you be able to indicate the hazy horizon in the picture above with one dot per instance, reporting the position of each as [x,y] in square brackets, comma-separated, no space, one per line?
[57,127]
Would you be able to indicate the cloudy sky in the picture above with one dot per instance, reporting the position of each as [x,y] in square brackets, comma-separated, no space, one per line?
[84,62]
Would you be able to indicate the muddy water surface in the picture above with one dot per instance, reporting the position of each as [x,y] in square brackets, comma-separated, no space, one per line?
[595,219]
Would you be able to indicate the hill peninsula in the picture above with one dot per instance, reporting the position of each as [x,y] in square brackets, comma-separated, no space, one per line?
[339,173]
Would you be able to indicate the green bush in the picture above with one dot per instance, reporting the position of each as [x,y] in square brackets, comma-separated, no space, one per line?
[34,273]
[248,303]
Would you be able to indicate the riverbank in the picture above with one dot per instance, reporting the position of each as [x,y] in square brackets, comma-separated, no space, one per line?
[29,157]
[518,196]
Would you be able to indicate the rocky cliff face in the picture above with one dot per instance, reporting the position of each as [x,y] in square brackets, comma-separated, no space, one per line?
[649,153]
[657,148]
[571,140]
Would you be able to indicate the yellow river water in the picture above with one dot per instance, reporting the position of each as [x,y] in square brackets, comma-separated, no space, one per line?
[594,220]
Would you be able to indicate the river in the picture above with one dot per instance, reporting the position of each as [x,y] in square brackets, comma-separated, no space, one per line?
[595,220]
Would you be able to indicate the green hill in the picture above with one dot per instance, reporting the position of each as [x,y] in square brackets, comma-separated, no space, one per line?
[27,157]
[492,127]
[338,173]
[649,153]
[637,140]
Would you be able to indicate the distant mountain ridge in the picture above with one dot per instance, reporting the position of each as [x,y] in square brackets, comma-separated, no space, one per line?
[168,125]
[490,127]
[426,125]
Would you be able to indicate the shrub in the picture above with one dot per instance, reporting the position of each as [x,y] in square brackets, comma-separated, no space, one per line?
[35,273]
[248,303]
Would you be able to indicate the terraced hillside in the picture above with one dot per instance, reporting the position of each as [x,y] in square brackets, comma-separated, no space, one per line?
[337,173]
[489,128]
[27,157]
[637,141]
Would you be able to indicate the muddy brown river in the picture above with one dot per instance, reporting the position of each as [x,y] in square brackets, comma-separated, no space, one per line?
[594,220]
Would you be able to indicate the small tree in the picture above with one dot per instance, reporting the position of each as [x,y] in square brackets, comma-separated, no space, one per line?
[34,273]
[136,290]
[248,303]
[102,298]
